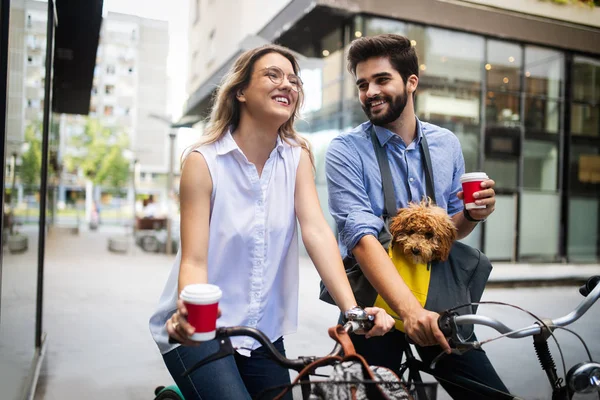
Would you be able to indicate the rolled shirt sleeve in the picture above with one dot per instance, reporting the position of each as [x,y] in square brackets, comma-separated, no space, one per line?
[349,201]
[455,205]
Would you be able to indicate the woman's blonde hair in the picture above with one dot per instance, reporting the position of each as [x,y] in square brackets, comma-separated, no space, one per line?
[226,107]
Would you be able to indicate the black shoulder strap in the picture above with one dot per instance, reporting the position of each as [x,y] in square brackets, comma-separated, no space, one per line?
[429,185]
[389,195]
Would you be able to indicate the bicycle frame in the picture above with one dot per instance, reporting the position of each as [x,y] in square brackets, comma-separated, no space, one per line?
[415,367]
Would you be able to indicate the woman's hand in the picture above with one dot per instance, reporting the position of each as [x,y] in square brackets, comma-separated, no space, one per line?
[178,327]
[383,322]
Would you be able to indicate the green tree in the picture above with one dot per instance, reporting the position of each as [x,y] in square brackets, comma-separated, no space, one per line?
[31,159]
[99,155]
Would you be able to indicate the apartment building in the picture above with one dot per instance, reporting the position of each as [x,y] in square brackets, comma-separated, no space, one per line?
[130,84]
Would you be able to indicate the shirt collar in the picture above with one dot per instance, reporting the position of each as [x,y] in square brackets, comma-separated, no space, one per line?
[384,135]
[226,144]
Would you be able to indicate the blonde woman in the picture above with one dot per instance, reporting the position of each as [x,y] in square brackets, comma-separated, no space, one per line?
[243,188]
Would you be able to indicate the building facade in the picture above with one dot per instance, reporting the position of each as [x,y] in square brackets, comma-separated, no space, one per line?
[518,83]
[129,86]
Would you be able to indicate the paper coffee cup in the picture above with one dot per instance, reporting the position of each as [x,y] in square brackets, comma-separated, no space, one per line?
[471,183]
[202,303]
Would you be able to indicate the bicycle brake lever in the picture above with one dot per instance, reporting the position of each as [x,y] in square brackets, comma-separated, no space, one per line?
[458,349]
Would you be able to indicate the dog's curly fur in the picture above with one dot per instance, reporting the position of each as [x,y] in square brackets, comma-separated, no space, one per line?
[423,232]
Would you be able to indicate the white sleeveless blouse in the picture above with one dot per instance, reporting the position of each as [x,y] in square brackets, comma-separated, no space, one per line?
[253,244]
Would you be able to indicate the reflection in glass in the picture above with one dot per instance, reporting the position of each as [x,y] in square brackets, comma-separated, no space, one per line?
[502,109]
[376,26]
[582,243]
[500,227]
[22,201]
[585,120]
[541,115]
[536,243]
[543,72]
[449,61]
[584,171]
[504,172]
[540,165]
[503,66]
[586,79]
[449,93]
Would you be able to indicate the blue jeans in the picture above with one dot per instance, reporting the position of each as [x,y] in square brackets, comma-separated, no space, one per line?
[232,377]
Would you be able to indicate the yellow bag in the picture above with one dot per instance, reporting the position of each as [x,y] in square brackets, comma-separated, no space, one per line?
[416,277]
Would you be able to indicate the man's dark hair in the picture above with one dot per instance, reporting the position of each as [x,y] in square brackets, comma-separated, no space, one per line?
[397,48]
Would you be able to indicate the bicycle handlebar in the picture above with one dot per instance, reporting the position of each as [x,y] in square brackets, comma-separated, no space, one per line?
[297,364]
[591,290]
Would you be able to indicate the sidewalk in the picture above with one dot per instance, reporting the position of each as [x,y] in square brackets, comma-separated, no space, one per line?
[97,305]
[510,274]
[525,274]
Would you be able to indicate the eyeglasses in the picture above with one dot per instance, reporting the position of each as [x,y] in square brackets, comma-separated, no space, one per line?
[276,76]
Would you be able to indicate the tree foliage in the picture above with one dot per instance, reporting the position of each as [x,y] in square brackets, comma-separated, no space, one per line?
[31,159]
[98,153]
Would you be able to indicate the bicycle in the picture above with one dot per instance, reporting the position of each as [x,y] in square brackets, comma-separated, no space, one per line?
[583,377]
[303,364]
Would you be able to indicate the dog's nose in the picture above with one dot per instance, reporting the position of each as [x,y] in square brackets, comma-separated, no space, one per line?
[416,251]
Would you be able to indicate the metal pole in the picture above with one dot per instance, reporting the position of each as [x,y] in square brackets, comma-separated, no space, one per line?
[169,191]
[44,174]
[134,219]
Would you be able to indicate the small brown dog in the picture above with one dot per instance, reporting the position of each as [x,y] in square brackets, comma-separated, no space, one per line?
[423,232]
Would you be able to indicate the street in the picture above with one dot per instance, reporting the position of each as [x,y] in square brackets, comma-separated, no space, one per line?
[97,306]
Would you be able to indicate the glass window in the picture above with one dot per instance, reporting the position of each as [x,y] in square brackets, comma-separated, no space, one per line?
[586,79]
[503,172]
[19,272]
[503,66]
[536,243]
[541,165]
[500,228]
[543,72]
[376,26]
[585,120]
[502,109]
[542,115]
[582,243]
[449,93]
[584,172]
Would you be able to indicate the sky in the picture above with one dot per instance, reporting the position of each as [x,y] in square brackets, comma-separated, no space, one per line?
[175,12]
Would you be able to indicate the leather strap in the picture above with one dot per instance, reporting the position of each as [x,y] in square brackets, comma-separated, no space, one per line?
[339,334]
[429,183]
[389,194]
[309,369]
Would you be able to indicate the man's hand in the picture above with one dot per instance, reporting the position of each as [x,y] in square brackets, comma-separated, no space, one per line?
[485,197]
[383,322]
[422,327]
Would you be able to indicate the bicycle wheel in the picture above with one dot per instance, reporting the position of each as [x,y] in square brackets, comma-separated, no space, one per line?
[168,393]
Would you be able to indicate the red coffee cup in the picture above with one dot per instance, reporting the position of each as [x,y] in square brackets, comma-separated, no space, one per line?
[202,303]
[471,183]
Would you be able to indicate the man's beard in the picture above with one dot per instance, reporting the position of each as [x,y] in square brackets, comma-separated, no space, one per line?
[395,107]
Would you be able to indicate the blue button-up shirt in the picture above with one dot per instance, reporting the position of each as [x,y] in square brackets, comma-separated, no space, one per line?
[354,180]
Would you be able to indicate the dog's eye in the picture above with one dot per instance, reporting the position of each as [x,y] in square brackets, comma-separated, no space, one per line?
[410,232]
[429,235]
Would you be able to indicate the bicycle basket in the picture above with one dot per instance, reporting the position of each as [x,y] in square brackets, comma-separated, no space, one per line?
[325,390]
[351,379]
